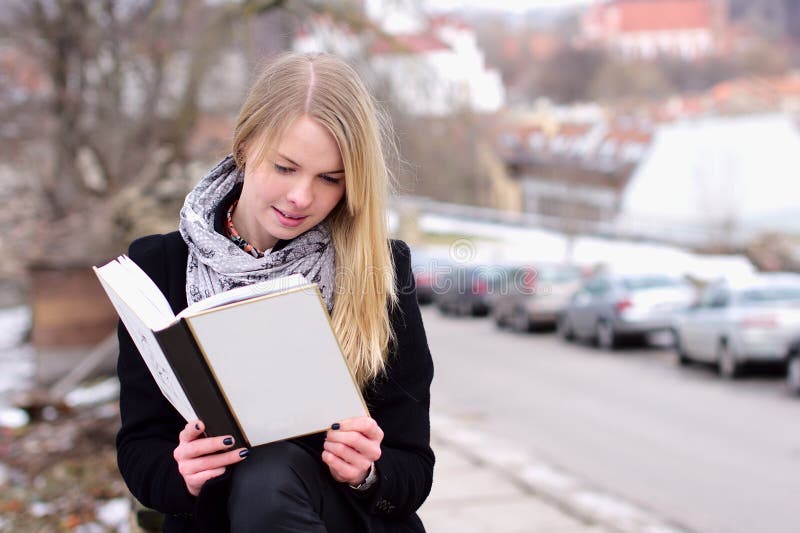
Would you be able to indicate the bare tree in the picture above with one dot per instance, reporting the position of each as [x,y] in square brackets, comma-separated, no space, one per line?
[118,97]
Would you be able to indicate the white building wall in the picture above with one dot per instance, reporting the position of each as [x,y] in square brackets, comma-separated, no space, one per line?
[717,171]
[436,82]
[688,44]
[396,17]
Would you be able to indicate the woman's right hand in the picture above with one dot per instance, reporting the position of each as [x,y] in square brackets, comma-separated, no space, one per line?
[198,458]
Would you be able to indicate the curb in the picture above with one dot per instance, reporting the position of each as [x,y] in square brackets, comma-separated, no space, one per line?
[566,491]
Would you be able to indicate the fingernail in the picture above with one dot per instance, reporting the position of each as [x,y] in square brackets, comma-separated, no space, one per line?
[197,427]
[244,453]
[227,441]
[335,425]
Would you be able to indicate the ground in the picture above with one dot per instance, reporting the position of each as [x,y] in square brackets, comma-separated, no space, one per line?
[61,474]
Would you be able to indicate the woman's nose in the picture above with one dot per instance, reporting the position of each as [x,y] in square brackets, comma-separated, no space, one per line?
[301,194]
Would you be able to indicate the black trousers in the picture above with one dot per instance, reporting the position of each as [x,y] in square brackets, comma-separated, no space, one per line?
[281,488]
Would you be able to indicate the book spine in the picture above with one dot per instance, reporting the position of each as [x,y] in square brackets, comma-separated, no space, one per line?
[198,382]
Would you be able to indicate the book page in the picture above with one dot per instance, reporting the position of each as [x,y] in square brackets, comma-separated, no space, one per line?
[139,292]
[149,290]
[114,281]
[278,364]
[246,292]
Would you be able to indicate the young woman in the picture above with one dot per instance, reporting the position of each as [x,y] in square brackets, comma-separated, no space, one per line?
[304,191]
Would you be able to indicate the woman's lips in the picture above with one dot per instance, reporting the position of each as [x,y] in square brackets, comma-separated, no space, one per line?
[287,221]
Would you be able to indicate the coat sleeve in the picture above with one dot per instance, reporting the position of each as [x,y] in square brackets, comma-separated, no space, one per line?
[400,404]
[150,425]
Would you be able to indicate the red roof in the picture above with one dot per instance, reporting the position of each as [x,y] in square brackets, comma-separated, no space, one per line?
[629,16]
[438,21]
[408,44]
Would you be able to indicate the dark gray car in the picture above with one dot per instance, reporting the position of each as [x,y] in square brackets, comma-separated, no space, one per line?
[466,289]
[536,297]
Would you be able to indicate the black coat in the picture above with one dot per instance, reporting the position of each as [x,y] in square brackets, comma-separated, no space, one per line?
[399,401]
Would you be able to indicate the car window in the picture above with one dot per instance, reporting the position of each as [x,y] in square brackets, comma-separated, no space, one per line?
[558,275]
[770,294]
[715,298]
[597,286]
[649,282]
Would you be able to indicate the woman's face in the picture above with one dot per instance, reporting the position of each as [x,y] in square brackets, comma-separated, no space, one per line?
[294,189]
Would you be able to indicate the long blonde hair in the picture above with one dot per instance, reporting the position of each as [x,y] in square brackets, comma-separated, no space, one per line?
[329,91]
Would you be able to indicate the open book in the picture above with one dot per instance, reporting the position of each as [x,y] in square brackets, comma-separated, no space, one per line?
[260,362]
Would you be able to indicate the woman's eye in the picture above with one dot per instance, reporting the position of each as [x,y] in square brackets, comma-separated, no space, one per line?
[331,179]
[281,169]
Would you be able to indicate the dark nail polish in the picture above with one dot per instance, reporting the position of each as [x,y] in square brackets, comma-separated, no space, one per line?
[228,441]
[335,425]
[244,453]
[197,427]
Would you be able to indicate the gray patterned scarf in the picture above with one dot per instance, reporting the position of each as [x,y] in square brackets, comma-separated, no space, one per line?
[216,264]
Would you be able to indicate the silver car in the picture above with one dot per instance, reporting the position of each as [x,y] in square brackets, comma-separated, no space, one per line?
[751,319]
[536,296]
[611,308]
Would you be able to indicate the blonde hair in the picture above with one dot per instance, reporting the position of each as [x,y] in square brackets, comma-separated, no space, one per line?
[329,91]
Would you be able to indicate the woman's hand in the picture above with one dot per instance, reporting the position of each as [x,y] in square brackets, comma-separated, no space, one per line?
[197,458]
[351,448]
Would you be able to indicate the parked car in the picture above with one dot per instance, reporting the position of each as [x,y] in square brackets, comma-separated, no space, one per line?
[427,269]
[750,319]
[793,366]
[465,289]
[611,308]
[536,296]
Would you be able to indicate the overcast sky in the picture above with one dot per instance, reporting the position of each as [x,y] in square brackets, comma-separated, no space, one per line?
[506,5]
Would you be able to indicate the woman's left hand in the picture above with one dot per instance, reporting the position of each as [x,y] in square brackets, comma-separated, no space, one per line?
[351,449]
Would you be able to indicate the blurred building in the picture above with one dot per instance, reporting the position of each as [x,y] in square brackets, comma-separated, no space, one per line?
[574,170]
[734,97]
[431,66]
[713,166]
[729,176]
[647,29]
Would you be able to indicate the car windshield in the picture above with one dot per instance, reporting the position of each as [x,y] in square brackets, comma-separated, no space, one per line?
[558,275]
[649,282]
[771,294]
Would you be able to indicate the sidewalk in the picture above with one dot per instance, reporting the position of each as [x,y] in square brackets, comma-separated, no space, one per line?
[470,497]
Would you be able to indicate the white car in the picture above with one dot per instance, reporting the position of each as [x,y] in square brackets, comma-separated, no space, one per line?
[750,319]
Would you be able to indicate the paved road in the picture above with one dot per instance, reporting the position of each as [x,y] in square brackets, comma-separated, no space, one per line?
[711,455]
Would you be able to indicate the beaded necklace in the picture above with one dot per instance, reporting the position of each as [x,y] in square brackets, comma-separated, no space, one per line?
[236,238]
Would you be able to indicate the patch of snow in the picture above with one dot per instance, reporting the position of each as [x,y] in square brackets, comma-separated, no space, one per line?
[40,509]
[512,244]
[17,368]
[114,513]
[15,322]
[101,392]
[89,527]
[13,417]
[17,365]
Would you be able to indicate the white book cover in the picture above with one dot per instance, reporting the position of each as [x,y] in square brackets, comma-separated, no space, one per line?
[270,347]
[279,363]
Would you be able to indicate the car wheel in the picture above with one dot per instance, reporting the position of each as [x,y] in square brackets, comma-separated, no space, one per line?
[605,336]
[793,373]
[681,357]
[727,365]
[564,329]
